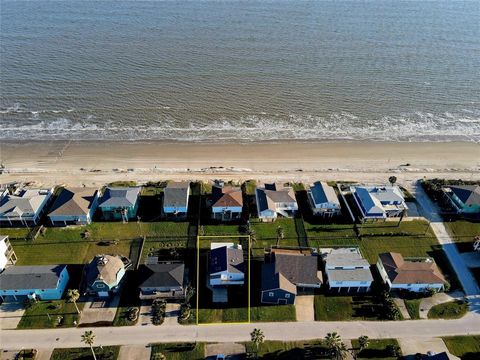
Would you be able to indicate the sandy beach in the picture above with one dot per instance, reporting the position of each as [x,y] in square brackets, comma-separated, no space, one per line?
[96,163]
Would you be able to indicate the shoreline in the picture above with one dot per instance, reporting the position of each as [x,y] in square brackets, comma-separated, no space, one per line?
[94,162]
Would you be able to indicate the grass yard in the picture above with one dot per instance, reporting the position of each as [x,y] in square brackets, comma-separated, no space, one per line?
[313,349]
[333,308]
[107,353]
[377,349]
[220,229]
[463,231]
[128,298]
[15,233]
[268,231]
[413,308]
[36,316]
[208,316]
[450,310]
[465,347]
[179,351]
[325,234]
[273,313]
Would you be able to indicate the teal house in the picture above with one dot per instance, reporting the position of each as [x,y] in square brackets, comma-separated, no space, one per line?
[464,198]
[103,275]
[119,203]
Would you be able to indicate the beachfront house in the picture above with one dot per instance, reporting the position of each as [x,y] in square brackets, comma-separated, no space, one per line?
[119,203]
[416,275]
[24,207]
[465,199]
[45,282]
[347,271]
[175,199]
[379,202]
[103,275]
[226,268]
[275,200]
[323,200]
[7,255]
[74,206]
[227,202]
[286,272]
[164,281]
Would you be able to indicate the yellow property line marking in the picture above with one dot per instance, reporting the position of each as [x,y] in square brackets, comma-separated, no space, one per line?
[249,277]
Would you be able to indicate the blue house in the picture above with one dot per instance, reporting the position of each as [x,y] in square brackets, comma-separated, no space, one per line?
[46,282]
[464,198]
[119,203]
[103,275]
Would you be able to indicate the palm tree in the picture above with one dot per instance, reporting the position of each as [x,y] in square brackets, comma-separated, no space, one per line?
[392,180]
[363,342]
[335,345]
[89,338]
[280,234]
[72,296]
[257,337]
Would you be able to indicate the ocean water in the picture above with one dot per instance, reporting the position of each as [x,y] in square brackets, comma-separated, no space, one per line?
[240,71]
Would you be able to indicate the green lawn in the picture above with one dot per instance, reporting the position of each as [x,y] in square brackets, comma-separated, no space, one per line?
[463,231]
[325,234]
[128,298]
[313,349]
[268,231]
[180,351]
[220,229]
[14,233]
[450,310]
[413,308]
[465,347]
[273,313]
[44,314]
[377,349]
[333,308]
[107,353]
[208,316]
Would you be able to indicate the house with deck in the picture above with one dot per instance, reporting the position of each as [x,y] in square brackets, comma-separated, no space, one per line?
[226,267]
[162,281]
[379,202]
[175,199]
[323,200]
[227,202]
[24,207]
[7,255]
[288,272]
[274,200]
[40,282]
[74,206]
[416,275]
[119,203]
[347,270]
[465,199]
[103,275]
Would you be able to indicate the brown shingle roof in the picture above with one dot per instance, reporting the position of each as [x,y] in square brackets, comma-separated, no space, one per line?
[400,271]
[73,201]
[232,196]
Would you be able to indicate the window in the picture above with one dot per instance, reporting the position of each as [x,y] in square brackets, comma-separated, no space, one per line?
[287,296]
[271,294]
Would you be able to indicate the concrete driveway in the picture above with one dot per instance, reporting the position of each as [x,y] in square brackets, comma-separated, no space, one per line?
[304,308]
[412,346]
[10,314]
[137,352]
[172,313]
[427,303]
[99,310]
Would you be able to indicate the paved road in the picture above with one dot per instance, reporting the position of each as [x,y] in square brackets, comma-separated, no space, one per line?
[431,212]
[470,324]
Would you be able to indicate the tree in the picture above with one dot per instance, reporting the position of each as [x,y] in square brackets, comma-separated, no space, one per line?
[257,337]
[335,346]
[393,350]
[392,180]
[159,356]
[363,342]
[72,296]
[280,234]
[89,338]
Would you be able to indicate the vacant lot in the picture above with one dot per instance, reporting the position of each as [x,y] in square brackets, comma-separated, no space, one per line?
[179,351]
[314,349]
[463,233]
[104,353]
[341,308]
[50,314]
[377,349]
[465,347]
[449,310]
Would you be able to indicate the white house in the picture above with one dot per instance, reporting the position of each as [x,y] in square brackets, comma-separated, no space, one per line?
[226,264]
[323,200]
[416,276]
[7,255]
[74,206]
[275,200]
[175,199]
[347,270]
[227,203]
[24,207]
[379,202]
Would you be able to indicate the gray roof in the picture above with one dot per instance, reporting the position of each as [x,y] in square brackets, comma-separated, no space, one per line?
[226,259]
[28,201]
[322,193]
[162,275]
[120,197]
[345,257]
[105,268]
[30,277]
[349,275]
[271,194]
[175,194]
[297,269]
[468,194]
